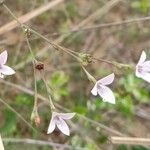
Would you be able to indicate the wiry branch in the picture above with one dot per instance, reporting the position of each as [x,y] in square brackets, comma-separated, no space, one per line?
[130,140]
[40,142]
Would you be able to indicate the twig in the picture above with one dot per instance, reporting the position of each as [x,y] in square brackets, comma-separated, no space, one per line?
[100,12]
[40,142]
[130,140]
[13,24]
[104,25]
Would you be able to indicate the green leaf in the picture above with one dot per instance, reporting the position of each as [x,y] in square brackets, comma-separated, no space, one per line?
[125,105]
[59,78]
[122,147]
[24,98]
[58,83]
[9,125]
[141,5]
[80,110]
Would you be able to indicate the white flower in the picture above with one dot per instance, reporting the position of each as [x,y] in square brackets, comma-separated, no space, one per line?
[4,70]
[58,120]
[103,91]
[143,68]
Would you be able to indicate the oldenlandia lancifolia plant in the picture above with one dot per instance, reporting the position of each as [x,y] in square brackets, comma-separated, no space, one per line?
[100,88]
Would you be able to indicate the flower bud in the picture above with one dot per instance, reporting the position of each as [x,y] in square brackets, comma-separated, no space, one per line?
[27,32]
[85,59]
[35,118]
[39,66]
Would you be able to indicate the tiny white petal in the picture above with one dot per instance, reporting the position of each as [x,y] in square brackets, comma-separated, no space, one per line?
[3,57]
[106,94]
[146,66]
[67,116]
[107,80]
[51,126]
[146,76]
[94,90]
[63,127]
[142,58]
[6,70]
[137,73]
[1,76]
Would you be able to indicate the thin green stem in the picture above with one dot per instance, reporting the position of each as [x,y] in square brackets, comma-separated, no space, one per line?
[89,76]
[48,91]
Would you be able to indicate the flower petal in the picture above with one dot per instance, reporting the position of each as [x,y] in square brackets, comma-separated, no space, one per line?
[67,115]
[137,73]
[94,90]
[146,66]
[63,127]
[3,57]
[107,80]
[146,76]
[142,58]
[6,70]
[106,94]
[51,126]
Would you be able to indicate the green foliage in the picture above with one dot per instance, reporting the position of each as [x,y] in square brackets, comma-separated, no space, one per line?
[122,147]
[80,110]
[58,82]
[9,125]
[71,9]
[91,146]
[133,86]
[125,105]
[24,98]
[140,5]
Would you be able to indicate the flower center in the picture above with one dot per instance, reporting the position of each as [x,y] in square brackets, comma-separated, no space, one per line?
[140,69]
[57,119]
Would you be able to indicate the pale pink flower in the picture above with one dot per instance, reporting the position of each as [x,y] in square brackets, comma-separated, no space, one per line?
[102,90]
[4,70]
[58,120]
[143,68]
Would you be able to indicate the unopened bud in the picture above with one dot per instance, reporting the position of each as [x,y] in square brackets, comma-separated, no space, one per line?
[27,32]
[35,118]
[39,66]
[85,59]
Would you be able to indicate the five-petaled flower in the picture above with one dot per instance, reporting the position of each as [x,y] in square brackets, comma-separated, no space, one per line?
[102,90]
[58,120]
[143,68]
[4,70]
